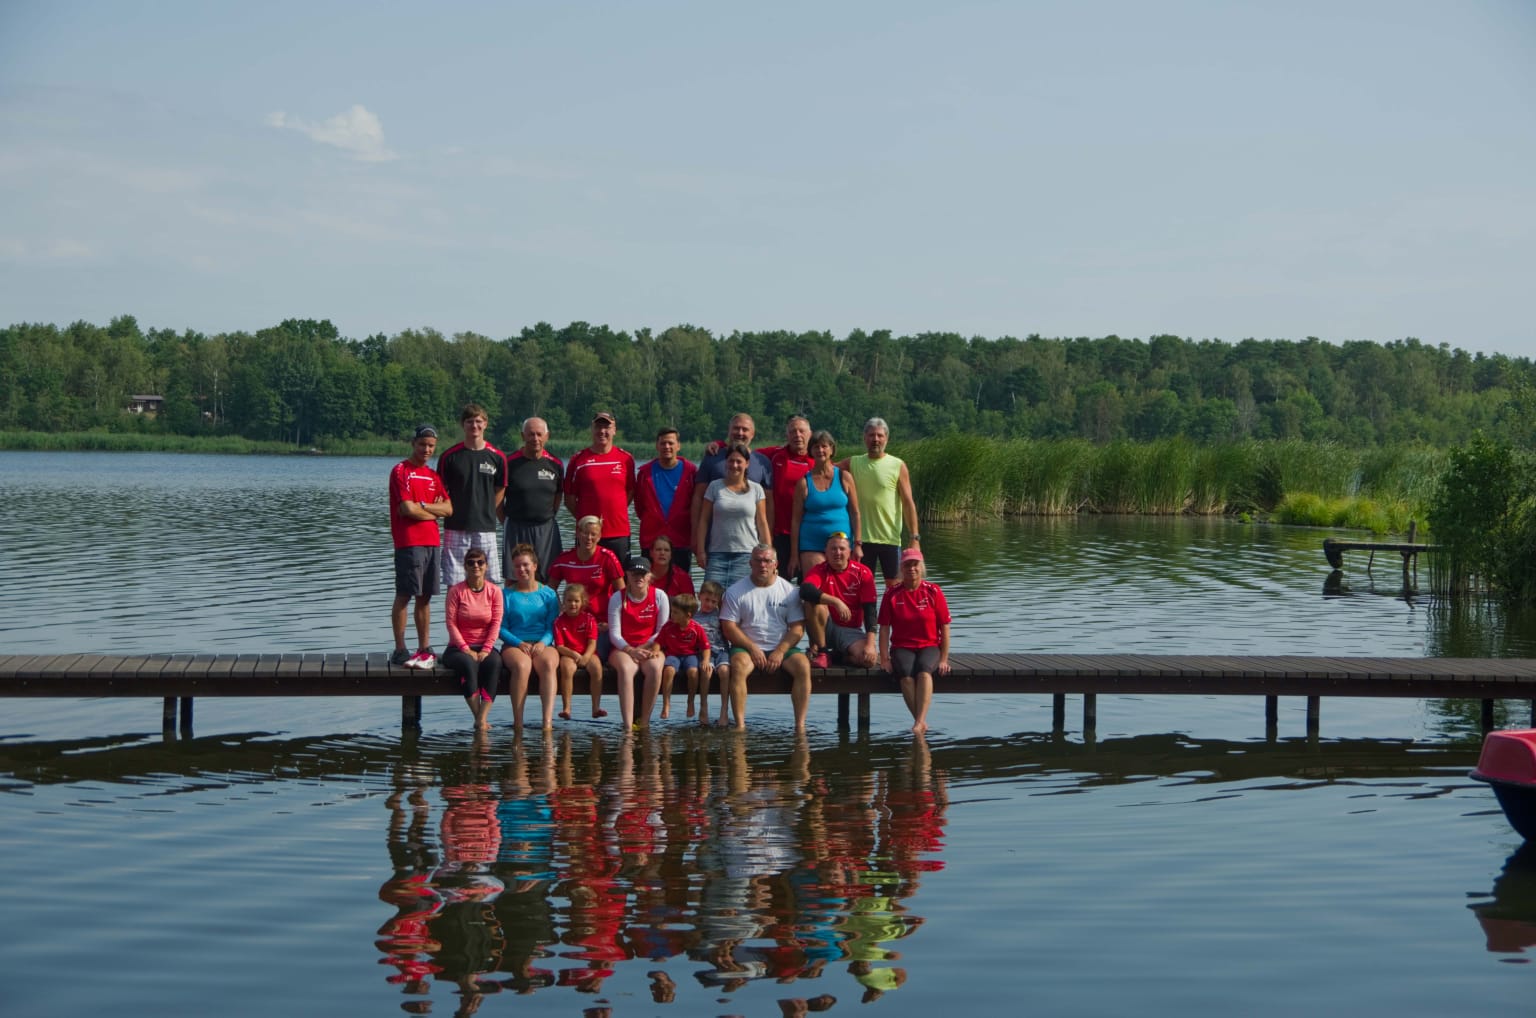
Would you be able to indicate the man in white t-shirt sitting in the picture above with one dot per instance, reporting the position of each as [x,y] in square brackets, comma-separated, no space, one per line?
[763,620]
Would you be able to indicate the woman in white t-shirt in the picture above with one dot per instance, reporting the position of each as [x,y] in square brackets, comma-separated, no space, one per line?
[734,518]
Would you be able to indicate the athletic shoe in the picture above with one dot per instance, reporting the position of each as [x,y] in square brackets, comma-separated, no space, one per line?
[400,657]
[819,660]
[422,660]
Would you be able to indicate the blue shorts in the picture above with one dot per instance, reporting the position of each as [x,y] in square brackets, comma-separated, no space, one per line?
[683,663]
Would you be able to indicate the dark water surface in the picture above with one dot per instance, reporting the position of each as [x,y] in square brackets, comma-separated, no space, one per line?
[302,857]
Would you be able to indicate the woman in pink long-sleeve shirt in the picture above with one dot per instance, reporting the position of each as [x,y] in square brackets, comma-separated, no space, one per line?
[474,619]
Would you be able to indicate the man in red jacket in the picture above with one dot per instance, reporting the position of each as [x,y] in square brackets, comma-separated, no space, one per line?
[664,500]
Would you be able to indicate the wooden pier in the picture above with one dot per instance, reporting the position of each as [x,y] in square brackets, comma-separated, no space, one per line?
[178,679]
[1334,549]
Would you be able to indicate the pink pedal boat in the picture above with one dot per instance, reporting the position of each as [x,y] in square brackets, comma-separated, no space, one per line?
[1508,763]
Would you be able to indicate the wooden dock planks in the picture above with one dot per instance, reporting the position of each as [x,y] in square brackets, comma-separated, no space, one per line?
[369,674]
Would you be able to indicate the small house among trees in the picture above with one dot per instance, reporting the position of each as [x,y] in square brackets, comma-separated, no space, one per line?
[151,405]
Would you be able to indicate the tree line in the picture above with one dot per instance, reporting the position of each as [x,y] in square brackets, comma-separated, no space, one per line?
[302,382]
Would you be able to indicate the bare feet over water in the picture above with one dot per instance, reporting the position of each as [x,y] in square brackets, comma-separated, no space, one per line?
[794,1007]
[920,728]
[663,989]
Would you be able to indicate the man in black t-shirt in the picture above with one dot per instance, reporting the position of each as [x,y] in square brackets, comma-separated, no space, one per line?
[475,474]
[534,481]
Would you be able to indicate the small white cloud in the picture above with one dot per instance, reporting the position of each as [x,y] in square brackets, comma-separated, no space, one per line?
[356,131]
[50,251]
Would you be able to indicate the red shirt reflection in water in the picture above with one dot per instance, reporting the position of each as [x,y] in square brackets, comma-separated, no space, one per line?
[405,939]
[588,883]
[471,829]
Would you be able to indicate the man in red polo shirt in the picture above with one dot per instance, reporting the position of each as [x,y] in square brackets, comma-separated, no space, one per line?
[791,461]
[842,613]
[417,500]
[600,481]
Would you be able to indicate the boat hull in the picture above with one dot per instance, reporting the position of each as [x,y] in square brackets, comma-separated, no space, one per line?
[1508,765]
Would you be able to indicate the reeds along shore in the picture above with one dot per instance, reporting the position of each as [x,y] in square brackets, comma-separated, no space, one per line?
[1311,483]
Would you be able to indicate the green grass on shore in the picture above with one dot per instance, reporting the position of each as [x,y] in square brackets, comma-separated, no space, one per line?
[1313,483]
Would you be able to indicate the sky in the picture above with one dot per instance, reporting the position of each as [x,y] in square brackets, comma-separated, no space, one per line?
[1214,169]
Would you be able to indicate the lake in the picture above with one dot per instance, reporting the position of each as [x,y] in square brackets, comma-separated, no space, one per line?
[307,857]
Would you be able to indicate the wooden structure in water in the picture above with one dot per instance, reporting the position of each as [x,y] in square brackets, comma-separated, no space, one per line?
[179,679]
[1334,549]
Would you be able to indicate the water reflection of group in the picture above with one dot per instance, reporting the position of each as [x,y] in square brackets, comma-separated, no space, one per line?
[554,867]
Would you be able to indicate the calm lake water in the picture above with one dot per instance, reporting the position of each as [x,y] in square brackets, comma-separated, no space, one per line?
[304,857]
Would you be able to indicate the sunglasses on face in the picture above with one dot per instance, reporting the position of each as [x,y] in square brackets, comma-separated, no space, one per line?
[474,563]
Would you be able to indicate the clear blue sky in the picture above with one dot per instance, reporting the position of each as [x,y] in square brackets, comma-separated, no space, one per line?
[1346,170]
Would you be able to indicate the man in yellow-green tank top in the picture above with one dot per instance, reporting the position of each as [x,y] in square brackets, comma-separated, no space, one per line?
[885,500]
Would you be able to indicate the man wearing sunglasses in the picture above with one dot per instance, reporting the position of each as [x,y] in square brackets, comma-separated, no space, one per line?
[842,617]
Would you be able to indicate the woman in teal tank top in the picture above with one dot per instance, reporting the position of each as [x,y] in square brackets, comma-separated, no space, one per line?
[825,504]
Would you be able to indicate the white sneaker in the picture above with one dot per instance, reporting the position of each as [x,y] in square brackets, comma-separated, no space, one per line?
[422,660]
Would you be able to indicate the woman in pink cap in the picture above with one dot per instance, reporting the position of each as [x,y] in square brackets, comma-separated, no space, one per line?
[914,636]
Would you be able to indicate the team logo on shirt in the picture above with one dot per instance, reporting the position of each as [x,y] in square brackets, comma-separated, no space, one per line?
[486,468]
[546,475]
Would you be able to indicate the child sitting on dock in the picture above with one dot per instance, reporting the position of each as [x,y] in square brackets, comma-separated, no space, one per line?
[576,643]
[686,646]
[711,593]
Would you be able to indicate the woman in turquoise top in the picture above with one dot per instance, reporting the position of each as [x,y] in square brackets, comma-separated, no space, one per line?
[825,504]
[528,634]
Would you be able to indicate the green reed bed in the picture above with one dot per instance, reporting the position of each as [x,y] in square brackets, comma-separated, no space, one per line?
[957,476]
[1222,479]
[129,441]
[1408,473]
[1308,483]
[1152,479]
[1046,478]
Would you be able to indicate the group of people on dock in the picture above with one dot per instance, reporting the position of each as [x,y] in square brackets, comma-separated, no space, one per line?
[783,535]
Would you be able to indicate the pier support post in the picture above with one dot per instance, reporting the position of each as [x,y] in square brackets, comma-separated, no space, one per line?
[1090,714]
[842,712]
[410,712]
[186,715]
[168,715]
[1487,716]
[1314,713]
[1058,713]
[863,712]
[1271,717]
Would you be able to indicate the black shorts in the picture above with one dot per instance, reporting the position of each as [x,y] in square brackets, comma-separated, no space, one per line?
[417,570]
[545,538]
[906,662]
[888,554]
[787,569]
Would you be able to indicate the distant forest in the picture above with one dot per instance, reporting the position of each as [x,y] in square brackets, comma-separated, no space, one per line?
[304,383]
